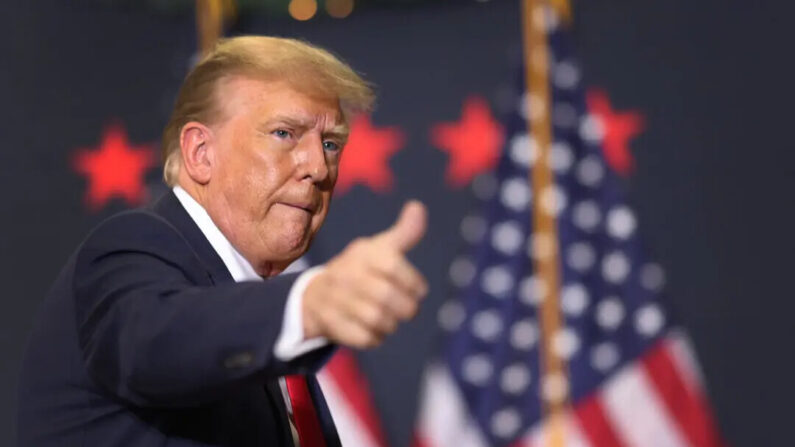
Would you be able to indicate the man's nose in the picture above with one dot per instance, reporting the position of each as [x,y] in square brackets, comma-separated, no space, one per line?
[312,159]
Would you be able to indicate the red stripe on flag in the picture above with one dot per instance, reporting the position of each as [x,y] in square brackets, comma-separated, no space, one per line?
[686,405]
[418,441]
[591,416]
[343,370]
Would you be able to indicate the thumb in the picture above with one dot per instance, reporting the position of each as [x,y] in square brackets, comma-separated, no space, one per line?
[409,227]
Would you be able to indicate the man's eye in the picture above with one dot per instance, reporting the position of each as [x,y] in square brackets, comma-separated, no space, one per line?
[281,133]
[331,146]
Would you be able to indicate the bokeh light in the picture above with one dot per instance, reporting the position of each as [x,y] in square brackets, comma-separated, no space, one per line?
[302,9]
[339,8]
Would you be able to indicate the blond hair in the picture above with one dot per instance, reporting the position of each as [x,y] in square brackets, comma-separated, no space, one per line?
[305,67]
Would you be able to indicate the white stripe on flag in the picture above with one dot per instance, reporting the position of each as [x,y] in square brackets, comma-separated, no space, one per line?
[634,409]
[443,419]
[350,428]
[681,350]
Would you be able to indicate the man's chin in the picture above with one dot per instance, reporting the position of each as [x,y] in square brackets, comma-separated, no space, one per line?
[287,252]
[279,249]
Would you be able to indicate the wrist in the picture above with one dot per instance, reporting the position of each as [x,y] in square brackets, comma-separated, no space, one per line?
[311,325]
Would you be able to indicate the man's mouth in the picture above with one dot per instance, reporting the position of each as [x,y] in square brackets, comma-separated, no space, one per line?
[308,207]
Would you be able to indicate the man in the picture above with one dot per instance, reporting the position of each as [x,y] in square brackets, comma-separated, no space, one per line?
[169,326]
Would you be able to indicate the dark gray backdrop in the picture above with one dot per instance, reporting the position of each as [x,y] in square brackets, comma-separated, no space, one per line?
[712,186]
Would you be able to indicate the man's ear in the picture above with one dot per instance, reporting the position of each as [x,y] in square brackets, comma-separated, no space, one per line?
[194,142]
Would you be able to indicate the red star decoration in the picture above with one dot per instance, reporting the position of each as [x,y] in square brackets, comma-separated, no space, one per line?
[364,159]
[474,142]
[619,128]
[115,169]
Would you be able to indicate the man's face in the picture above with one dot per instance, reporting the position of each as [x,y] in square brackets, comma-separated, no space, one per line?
[275,154]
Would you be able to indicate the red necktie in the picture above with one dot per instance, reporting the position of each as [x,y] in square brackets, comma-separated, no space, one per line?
[304,415]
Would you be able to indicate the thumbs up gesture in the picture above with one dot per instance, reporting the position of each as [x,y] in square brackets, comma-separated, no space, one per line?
[364,292]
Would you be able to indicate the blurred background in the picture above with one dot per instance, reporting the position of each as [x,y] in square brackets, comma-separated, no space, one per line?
[696,97]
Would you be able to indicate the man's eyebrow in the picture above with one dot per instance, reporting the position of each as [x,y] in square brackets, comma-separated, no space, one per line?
[289,120]
[340,131]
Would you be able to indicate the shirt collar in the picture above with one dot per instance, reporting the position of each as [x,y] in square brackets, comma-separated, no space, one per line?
[238,266]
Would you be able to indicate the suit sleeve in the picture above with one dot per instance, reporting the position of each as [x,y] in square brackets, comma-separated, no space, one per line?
[155,331]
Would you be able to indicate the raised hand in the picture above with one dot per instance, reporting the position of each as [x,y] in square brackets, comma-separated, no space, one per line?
[365,291]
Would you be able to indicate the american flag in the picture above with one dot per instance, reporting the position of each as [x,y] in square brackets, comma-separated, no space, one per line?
[631,378]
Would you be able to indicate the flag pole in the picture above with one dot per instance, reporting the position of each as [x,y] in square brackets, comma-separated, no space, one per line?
[545,246]
[210,17]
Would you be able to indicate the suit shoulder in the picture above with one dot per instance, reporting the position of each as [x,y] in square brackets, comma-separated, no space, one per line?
[138,231]
[135,229]
[137,236]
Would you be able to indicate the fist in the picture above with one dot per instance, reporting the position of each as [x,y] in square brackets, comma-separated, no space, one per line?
[363,293]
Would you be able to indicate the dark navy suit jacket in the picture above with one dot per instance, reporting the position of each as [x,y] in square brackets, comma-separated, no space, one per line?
[146,340]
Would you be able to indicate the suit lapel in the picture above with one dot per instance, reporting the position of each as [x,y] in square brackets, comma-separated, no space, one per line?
[169,208]
[275,391]
[323,413]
